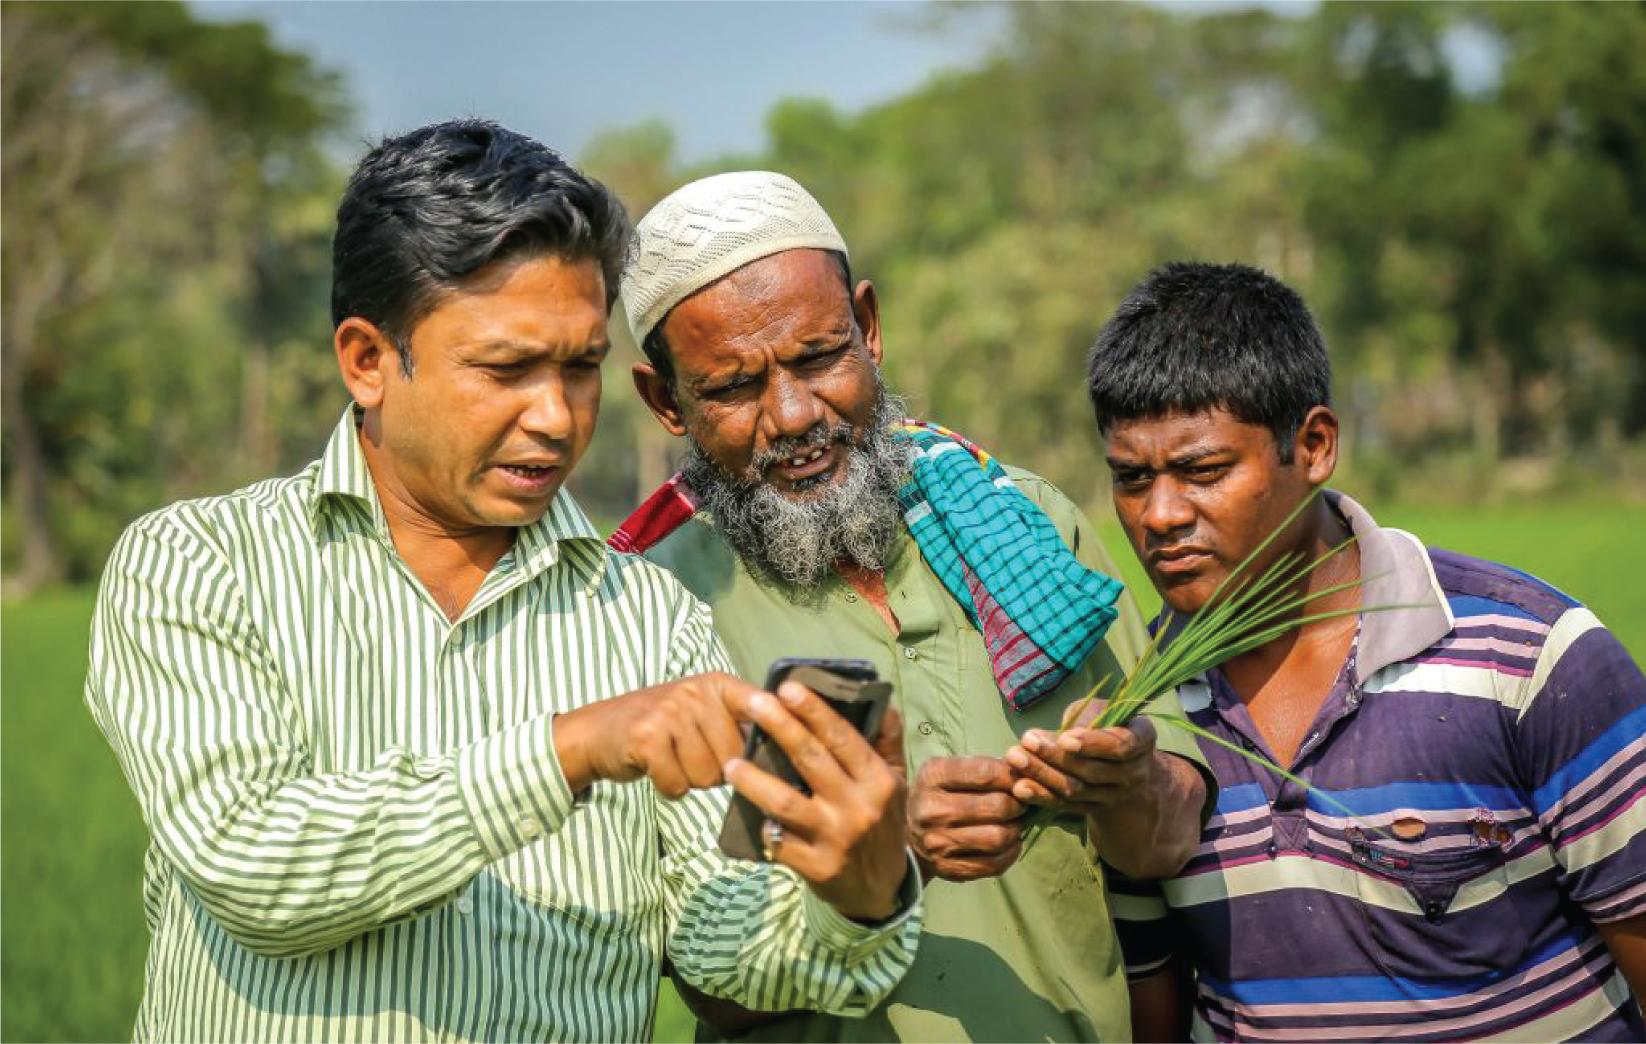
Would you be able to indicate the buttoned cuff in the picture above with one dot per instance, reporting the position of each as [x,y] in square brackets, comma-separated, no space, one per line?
[851,938]
[513,788]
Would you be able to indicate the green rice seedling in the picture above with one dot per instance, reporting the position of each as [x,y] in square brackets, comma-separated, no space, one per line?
[1242,614]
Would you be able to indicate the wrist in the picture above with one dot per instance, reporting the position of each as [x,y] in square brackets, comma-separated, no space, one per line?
[571,748]
[876,913]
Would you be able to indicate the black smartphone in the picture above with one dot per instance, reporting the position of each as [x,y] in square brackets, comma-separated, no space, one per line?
[852,687]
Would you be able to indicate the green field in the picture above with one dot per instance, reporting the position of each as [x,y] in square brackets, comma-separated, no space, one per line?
[73,936]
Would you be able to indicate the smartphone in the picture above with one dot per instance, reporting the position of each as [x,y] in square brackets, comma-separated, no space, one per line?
[852,687]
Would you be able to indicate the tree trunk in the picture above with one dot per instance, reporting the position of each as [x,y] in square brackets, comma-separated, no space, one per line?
[41,562]
[256,443]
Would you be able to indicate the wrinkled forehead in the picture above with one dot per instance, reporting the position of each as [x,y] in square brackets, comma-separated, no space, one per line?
[792,300]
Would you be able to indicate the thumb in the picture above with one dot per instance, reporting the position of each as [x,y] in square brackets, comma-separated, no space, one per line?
[888,742]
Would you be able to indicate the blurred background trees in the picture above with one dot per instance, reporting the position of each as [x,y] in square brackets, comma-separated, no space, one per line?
[1473,240]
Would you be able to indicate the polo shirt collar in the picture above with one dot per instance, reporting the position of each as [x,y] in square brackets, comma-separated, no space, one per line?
[1397,571]
[344,476]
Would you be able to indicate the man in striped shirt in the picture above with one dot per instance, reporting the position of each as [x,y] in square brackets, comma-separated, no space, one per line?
[1465,855]
[400,727]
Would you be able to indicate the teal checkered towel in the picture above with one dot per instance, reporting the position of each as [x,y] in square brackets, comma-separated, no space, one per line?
[1040,611]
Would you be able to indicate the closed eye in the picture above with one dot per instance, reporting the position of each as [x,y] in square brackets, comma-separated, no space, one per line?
[728,389]
[823,360]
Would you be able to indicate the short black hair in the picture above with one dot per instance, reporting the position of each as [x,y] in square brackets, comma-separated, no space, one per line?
[426,209]
[1194,336]
[656,345]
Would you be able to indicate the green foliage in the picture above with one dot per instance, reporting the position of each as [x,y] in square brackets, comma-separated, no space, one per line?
[1474,250]
[168,213]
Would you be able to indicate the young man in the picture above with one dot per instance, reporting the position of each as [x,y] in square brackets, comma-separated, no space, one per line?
[813,520]
[401,728]
[1466,855]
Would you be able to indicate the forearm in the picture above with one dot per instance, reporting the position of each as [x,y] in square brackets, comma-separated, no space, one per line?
[1152,833]
[303,864]
[1626,939]
[1160,1010]
[758,936]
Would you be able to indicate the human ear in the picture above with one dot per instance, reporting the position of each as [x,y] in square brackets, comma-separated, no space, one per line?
[657,392]
[866,310]
[1315,448]
[364,355]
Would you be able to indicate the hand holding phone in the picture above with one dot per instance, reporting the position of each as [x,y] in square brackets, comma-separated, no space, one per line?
[851,689]
[843,828]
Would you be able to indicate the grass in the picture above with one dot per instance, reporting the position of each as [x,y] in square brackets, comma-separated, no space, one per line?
[72,930]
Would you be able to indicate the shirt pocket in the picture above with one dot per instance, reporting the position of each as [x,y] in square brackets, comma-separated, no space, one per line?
[1463,923]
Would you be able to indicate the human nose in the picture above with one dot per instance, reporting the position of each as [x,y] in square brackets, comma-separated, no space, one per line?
[790,409]
[1165,509]
[547,411]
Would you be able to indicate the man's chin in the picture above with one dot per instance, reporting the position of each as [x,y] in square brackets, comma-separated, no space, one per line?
[516,511]
[1184,595]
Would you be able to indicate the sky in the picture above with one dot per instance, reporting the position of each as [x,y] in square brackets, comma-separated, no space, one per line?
[564,72]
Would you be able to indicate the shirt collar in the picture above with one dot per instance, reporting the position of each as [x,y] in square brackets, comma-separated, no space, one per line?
[1397,571]
[345,476]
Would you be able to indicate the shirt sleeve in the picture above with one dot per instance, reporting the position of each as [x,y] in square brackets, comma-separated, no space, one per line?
[1581,743]
[288,859]
[1142,922]
[755,933]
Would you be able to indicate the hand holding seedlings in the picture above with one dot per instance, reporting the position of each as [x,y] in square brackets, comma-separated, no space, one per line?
[1084,768]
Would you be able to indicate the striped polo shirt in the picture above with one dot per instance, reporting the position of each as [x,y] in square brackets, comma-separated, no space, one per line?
[1476,805]
[360,828]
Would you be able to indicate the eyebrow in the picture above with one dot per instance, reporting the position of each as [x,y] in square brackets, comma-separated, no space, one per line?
[1183,460]
[526,348]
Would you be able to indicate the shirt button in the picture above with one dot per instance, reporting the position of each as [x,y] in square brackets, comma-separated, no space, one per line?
[909,652]
[925,728]
[851,596]
[529,828]
[465,905]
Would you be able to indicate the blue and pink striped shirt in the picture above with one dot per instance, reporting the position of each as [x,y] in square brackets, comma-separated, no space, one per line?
[1476,805]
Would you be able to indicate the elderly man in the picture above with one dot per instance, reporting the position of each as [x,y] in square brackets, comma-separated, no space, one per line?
[812,518]
[400,727]
[1457,847]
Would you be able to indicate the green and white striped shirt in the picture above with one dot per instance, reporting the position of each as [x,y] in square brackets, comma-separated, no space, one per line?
[360,830]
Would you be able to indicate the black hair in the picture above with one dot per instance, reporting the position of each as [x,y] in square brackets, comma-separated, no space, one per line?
[426,209]
[1194,336]
[656,346]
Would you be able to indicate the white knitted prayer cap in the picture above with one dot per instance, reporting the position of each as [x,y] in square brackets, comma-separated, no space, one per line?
[709,229]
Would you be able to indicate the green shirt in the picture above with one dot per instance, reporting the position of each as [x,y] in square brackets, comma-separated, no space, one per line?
[1030,955]
[360,829]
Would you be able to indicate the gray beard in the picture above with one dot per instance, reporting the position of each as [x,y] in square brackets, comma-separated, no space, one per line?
[797,539]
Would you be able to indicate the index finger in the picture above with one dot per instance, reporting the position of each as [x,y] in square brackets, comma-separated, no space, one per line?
[1126,742]
[970,773]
